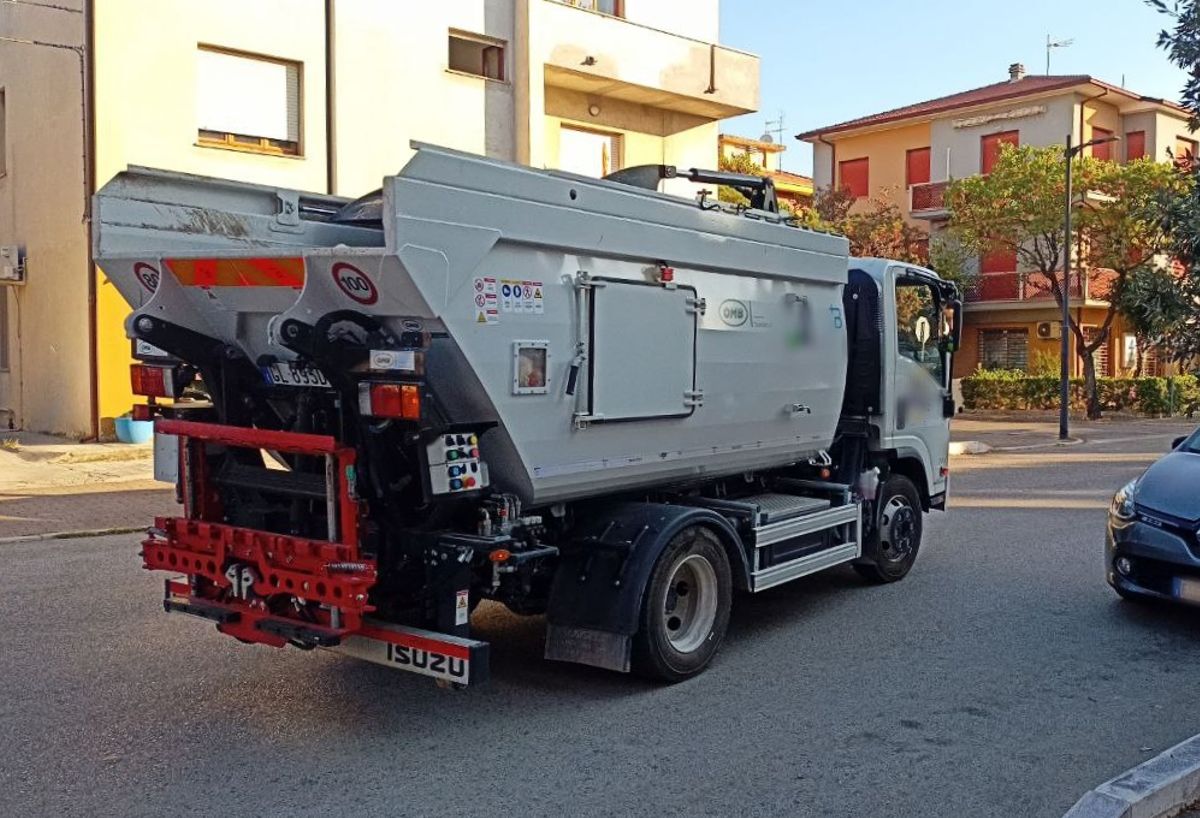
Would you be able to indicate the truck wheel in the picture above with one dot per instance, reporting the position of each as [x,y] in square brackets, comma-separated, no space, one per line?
[685,612]
[892,548]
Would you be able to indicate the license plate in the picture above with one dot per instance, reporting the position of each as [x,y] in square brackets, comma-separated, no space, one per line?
[289,374]
[1187,590]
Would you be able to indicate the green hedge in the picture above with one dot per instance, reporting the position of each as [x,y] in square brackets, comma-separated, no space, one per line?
[1013,389]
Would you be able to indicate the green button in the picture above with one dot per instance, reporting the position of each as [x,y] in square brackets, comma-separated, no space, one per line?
[452,455]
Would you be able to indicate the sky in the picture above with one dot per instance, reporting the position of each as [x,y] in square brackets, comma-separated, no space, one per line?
[825,62]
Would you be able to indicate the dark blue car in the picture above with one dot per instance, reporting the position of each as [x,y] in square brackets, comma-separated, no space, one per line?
[1153,543]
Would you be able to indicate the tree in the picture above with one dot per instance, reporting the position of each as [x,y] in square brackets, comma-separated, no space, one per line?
[1180,213]
[1161,313]
[878,229]
[1018,209]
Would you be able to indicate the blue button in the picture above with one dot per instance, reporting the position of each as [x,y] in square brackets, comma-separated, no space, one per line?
[455,485]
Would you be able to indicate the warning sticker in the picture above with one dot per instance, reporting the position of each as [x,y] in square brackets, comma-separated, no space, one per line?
[519,296]
[462,607]
[487,301]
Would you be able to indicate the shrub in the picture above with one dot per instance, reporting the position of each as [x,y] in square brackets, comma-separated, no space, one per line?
[1013,389]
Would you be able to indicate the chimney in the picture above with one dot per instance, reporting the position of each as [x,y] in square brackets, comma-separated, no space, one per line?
[1016,72]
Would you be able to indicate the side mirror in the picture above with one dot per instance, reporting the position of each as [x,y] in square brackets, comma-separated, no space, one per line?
[1177,442]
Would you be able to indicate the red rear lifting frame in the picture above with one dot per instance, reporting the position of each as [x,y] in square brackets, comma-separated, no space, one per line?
[331,572]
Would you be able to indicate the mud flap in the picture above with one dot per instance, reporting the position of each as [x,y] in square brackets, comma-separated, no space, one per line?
[596,597]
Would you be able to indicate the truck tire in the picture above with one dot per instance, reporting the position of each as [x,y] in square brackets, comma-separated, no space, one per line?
[685,611]
[896,539]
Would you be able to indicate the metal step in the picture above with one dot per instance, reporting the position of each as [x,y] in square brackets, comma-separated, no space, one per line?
[773,508]
[847,522]
[792,527]
[811,564]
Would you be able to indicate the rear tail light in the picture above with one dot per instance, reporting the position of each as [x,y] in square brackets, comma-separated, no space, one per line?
[390,400]
[152,381]
[160,381]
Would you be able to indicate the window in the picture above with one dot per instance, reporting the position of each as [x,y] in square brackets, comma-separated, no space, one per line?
[916,167]
[248,102]
[477,55]
[588,153]
[1185,151]
[1102,151]
[3,133]
[1135,145]
[615,8]
[999,261]
[990,148]
[3,328]
[855,176]
[1004,349]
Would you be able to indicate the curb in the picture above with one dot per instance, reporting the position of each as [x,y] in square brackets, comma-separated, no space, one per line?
[72,535]
[962,447]
[1156,789]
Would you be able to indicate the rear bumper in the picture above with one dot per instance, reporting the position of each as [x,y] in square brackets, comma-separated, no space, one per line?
[440,656]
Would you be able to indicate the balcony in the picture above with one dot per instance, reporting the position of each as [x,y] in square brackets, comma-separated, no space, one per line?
[1034,288]
[603,55]
[928,201]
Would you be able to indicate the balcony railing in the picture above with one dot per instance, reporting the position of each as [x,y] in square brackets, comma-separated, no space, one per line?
[928,200]
[1035,287]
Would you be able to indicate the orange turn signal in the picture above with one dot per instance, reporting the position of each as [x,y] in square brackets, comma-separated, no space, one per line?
[500,555]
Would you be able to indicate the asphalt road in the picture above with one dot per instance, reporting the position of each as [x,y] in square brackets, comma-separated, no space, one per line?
[1002,678]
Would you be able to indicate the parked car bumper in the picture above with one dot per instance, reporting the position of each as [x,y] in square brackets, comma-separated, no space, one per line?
[1158,562]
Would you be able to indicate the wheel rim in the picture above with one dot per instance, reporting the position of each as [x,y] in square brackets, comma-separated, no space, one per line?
[690,607]
[898,529]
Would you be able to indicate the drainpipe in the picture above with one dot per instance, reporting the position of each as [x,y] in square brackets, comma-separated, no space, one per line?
[330,113]
[89,174]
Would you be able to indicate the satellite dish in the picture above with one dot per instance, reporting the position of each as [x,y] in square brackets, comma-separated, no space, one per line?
[767,138]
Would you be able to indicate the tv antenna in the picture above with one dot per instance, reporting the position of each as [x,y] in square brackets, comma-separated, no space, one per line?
[1052,44]
[774,134]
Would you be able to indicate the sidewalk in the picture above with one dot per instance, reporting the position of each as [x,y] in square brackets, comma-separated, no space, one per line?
[1020,431]
[50,485]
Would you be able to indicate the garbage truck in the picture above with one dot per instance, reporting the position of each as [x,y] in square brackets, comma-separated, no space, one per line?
[580,398]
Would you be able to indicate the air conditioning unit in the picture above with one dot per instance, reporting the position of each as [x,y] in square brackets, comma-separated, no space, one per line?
[12,265]
[1047,330]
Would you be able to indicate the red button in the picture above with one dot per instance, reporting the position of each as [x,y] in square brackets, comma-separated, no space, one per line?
[470,482]
[474,452]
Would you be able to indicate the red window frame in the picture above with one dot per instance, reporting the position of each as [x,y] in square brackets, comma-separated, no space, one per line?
[1102,151]
[854,176]
[916,167]
[1135,145]
[989,148]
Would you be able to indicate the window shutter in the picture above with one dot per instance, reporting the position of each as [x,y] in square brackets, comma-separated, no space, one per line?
[1135,145]
[917,167]
[855,177]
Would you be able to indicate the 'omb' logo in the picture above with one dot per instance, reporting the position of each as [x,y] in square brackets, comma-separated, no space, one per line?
[733,313]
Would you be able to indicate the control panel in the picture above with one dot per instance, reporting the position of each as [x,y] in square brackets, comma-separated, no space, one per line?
[454,464]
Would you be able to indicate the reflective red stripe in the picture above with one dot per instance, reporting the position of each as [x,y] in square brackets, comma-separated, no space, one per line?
[238,272]
[414,641]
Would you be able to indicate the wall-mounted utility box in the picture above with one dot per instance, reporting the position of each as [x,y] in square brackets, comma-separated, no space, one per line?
[12,265]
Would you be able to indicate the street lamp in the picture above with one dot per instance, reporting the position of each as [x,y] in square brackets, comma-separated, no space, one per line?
[1064,394]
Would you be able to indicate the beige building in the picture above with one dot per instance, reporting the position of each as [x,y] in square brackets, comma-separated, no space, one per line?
[320,95]
[910,154]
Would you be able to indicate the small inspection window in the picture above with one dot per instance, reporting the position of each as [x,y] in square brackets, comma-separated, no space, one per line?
[3,133]
[531,361]
[477,55]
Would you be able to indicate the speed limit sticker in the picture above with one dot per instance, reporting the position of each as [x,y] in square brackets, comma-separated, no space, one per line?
[147,276]
[355,283]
